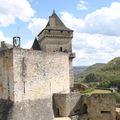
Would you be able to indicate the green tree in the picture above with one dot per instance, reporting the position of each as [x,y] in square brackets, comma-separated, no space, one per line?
[90,78]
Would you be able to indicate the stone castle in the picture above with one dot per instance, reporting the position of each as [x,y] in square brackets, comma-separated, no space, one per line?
[36,84]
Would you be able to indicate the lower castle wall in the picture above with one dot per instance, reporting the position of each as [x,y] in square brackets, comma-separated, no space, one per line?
[26,110]
[28,79]
[67,104]
[79,107]
[31,110]
[101,106]
[6,75]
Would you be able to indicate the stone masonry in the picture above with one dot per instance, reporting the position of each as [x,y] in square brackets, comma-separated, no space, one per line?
[35,84]
[77,106]
[28,74]
[29,78]
[56,37]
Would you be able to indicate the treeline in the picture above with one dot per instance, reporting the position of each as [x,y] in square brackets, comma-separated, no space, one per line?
[102,81]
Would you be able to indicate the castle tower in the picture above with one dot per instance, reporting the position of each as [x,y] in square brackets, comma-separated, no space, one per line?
[56,37]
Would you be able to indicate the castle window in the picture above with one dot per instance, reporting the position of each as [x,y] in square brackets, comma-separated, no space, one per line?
[85,109]
[61,31]
[60,49]
[48,30]
[105,112]
[57,112]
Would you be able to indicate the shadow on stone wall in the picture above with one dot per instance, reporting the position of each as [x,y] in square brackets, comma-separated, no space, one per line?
[40,109]
[5,106]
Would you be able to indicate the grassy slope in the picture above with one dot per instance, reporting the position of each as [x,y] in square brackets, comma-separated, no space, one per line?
[94,91]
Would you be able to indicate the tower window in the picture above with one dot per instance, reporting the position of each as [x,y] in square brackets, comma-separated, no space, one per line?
[61,31]
[60,49]
[105,112]
[57,112]
[85,109]
[48,30]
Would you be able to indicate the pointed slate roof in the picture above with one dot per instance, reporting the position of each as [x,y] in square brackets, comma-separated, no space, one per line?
[59,25]
[36,45]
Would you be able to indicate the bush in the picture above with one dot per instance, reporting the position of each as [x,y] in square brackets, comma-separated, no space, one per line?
[115,83]
[117,96]
[105,84]
[92,78]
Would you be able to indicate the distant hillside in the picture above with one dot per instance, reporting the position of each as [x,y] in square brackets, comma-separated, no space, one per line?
[81,76]
[78,69]
[113,65]
[102,75]
[92,68]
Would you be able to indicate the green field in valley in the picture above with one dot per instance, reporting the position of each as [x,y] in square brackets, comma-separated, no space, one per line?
[95,91]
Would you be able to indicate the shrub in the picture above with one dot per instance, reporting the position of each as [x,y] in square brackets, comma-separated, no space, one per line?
[117,96]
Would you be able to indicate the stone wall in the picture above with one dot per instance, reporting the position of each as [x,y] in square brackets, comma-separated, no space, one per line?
[79,107]
[6,75]
[40,109]
[52,40]
[117,113]
[67,104]
[100,106]
[30,74]
[71,74]
[39,74]
[5,106]
[54,44]
[28,78]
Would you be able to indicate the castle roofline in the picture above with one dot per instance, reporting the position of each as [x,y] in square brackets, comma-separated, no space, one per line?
[55,23]
[55,30]
[5,45]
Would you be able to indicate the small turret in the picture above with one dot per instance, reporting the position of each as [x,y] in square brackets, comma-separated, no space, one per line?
[36,45]
[16,42]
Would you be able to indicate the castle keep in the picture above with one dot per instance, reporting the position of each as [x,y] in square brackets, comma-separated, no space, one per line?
[36,84]
[56,37]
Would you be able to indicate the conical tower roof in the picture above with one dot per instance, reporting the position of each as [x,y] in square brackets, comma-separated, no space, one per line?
[55,23]
[35,45]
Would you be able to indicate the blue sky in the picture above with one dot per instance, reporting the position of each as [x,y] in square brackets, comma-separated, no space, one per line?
[96,25]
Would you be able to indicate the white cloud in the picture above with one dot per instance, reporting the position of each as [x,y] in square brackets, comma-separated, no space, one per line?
[102,21]
[28,44]
[72,22]
[97,36]
[37,24]
[12,9]
[82,5]
[95,48]
[5,38]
